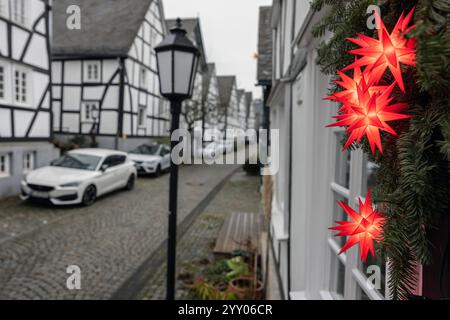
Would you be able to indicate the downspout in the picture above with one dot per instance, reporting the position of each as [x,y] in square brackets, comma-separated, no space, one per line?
[121,102]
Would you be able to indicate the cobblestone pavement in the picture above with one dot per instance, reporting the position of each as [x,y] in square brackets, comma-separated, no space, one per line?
[194,249]
[108,240]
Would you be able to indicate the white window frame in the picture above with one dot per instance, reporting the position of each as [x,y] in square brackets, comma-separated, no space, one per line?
[142,117]
[92,72]
[29,161]
[28,86]
[20,17]
[355,279]
[86,115]
[6,82]
[5,165]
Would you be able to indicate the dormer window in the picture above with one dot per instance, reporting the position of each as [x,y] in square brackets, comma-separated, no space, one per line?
[92,71]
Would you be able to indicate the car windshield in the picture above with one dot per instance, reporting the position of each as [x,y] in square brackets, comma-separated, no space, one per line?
[147,150]
[78,161]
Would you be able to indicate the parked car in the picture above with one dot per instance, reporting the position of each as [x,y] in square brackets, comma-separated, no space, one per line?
[80,176]
[151,158]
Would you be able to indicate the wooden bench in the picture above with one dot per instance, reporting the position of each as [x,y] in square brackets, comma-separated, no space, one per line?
[238,229]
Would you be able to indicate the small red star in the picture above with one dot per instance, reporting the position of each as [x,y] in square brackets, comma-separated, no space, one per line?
[364,228]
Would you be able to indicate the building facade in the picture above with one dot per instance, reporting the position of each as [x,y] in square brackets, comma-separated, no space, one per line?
[229,103]
[105,82]
[25,91]
[212,117]
[314,174]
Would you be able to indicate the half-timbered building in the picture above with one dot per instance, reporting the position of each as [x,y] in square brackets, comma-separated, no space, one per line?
[229,102]
[105,75]
[25,91]
[211,105]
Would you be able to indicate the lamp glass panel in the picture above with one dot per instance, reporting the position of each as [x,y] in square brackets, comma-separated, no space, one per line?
[183,69]
[165,71]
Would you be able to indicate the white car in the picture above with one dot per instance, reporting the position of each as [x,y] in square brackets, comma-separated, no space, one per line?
[151,158]
[80,176]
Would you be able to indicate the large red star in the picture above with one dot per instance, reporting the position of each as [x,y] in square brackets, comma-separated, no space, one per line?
[388,51]
[365,227]
[368,115]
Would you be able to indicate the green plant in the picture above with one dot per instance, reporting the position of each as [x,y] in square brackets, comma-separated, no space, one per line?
[238,267]
[204,290]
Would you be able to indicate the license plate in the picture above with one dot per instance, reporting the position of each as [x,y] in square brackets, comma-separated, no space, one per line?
[40,195]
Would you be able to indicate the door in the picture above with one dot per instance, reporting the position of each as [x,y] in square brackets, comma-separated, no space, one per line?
[107,180]
[165,154]
[122,170]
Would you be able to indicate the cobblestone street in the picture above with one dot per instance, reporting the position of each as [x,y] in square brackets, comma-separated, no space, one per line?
[108,240]
[195,248]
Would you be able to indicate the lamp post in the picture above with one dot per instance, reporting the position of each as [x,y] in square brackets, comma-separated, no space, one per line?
[177,60]
[95,113]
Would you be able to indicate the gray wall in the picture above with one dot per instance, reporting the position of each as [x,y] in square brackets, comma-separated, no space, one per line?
[111,142]
[44,153]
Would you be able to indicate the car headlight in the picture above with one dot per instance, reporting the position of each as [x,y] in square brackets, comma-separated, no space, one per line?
[70,185]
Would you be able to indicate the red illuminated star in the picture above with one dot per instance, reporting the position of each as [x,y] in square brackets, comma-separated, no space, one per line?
[369,115]
[365,227]
[388,51]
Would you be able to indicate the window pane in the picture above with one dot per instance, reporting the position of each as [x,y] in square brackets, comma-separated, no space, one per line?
[342,172]
[339,215]
[183,68]
[165,71]
[2,82]
[337,284]
[370,176]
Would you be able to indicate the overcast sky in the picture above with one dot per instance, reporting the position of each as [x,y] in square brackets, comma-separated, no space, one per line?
[230,31]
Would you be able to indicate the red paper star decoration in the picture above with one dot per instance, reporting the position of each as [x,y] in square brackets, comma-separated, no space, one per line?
[365,227]
[350,85]
[388,51]
[369,114]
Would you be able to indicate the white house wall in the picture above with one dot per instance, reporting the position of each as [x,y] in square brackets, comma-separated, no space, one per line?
[71,90]
[25,48]
[136,95]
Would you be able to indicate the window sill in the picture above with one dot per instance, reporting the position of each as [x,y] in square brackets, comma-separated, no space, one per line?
[278,227]
[4,176]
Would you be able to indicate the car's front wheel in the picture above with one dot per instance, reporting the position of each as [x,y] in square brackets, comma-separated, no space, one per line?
[89,196]
[158,171]
[130,183]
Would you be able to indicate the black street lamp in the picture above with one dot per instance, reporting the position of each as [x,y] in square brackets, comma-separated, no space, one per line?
[177,59]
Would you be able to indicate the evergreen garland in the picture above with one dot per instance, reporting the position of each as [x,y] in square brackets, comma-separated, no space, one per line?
[413,182]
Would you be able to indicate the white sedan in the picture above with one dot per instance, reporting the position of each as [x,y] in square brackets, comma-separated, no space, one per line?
[151,158]
[80,176]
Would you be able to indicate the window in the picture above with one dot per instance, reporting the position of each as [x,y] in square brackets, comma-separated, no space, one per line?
[4,8]
[92,71]
[4,165]
[341,193]
[21,86]
[28,161]
[2,82]
[114,161]
[19,11]
[142,115]
[89,112]
[143,78]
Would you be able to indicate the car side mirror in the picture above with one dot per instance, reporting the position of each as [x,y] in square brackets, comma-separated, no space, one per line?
[104,167]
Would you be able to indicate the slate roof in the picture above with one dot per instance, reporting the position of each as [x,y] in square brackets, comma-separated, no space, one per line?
[225,84]
[265,46]
[108,27]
